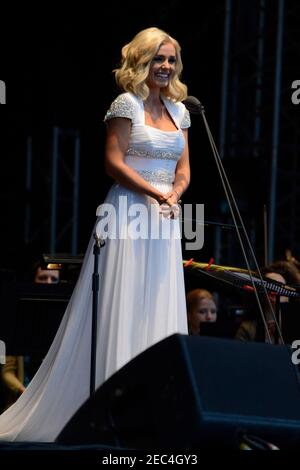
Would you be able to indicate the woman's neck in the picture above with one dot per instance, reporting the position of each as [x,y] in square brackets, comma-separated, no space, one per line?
[154,99]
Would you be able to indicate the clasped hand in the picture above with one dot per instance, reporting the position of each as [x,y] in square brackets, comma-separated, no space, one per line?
[170,208]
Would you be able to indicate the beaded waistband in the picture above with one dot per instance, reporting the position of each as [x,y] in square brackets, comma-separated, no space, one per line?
[158,176]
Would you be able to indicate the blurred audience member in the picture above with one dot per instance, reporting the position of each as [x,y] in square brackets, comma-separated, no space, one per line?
[14,374]
[46,276]
[201,307]
[252,328]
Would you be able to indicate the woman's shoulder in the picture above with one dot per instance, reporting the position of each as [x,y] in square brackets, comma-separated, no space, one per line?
[179,110]
[124,105]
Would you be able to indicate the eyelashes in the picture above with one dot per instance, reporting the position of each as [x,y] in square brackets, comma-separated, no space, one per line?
[161,59]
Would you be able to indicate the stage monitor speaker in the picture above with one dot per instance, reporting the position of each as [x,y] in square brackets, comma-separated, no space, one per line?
[192,391]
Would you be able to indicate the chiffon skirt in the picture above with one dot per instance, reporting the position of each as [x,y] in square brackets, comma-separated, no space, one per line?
[141,301]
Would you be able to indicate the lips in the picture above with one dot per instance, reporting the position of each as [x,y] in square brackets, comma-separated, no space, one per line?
[163,76]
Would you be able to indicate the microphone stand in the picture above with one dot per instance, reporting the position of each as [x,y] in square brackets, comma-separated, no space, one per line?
[95,287]
[195,107]
[278,317]
[206,223]
[265,236]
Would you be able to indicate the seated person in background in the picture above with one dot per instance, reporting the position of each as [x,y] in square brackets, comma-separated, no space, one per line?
[41,276]
[201,307]
[46,276]
[283,272]
[252,328]
[12,375]
[12,372]
[287,269]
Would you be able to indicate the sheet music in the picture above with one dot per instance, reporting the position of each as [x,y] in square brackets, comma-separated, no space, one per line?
[270,285]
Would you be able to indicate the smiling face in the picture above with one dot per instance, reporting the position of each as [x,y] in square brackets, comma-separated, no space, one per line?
[162,66]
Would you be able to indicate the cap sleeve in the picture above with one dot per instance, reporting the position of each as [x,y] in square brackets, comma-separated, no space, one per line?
[186,120]
[122,106]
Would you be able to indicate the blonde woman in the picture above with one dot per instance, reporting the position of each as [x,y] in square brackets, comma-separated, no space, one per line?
[142,295]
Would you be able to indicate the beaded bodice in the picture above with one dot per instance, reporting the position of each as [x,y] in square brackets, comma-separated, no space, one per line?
[152,152]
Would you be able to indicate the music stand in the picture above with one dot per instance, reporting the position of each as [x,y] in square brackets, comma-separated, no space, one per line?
[222,328]
[31,314]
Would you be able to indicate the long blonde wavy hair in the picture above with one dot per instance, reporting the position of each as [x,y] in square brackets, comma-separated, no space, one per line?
[137,56]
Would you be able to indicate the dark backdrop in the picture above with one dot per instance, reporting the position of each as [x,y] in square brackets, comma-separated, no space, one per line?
[57,63]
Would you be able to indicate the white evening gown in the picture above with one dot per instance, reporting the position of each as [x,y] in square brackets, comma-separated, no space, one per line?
[141,296]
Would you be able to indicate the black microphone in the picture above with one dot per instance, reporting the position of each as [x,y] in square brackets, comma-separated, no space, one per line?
[193,105]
